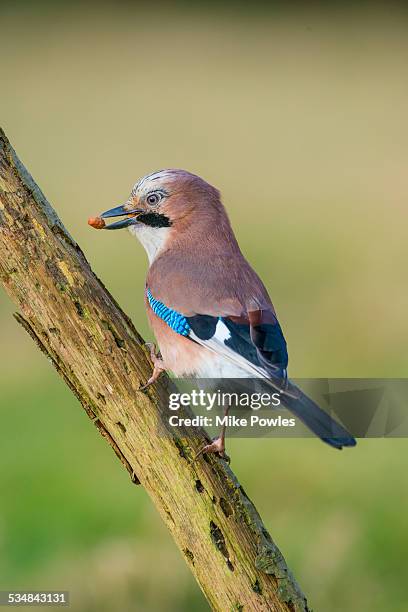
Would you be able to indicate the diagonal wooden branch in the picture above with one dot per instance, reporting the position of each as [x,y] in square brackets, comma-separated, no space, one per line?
[98,352]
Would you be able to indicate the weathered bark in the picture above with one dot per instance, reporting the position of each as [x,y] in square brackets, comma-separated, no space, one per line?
[96,349]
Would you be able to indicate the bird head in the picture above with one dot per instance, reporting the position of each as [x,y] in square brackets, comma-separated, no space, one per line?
[165,203]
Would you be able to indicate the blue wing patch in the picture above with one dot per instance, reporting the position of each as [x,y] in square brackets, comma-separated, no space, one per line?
[176,321]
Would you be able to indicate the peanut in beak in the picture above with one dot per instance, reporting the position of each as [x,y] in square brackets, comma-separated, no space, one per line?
[96,222]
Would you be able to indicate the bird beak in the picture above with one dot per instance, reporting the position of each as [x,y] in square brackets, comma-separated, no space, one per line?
[121,211]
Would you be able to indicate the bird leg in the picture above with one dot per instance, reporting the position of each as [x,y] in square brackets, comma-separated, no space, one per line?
[218,444]
[158,365]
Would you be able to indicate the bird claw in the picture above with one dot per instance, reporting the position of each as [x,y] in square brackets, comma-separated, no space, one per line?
[151,380]
[155,357]
[216,446]
[158,365]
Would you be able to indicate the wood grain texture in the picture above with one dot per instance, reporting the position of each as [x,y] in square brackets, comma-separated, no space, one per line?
[98,352]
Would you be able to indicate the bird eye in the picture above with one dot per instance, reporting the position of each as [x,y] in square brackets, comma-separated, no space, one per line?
[153,199]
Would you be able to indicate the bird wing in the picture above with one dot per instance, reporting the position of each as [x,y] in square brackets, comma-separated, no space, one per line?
[254,341]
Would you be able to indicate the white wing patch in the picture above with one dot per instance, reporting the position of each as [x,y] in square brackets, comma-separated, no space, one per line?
[217,345]
[222,333]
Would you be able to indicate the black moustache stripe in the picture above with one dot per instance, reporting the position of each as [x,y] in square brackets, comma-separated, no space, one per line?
[154,219]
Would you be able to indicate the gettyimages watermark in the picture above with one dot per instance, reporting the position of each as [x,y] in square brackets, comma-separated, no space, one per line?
[367,408]
[210,401]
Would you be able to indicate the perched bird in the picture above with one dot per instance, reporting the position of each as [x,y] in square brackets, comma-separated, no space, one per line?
[210,312]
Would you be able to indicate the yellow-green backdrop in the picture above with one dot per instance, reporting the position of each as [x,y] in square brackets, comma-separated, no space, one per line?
[300,118]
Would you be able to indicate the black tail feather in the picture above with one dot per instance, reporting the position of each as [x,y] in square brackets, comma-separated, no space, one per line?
[316,419]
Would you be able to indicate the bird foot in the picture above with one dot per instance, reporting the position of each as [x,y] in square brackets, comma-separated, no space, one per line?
[216,446]
[158,365]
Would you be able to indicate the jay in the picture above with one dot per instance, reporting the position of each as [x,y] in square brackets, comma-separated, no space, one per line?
[209,311]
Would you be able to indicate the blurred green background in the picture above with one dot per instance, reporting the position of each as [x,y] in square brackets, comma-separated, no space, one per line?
[300,118]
